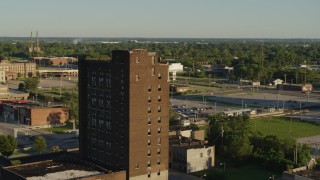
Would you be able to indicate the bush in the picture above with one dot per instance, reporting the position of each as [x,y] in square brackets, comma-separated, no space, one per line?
[15,162]
[55,149]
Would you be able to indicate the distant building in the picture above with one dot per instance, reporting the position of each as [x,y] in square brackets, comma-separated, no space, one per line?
[53,61]
[58,73]
[6,94]
[295,87]
[181,88]
[274,82]
[124,112]
[2,76]
[239,112]
[221,70]
[175,67]
[23,69]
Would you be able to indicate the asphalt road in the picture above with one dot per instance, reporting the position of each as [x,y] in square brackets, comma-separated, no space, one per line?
[25,134]
[48,83]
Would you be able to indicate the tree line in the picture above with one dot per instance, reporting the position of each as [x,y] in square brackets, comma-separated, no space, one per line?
[234,139]
[253,60]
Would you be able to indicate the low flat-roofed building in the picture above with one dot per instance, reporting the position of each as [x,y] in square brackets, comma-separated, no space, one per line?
[53,61]
[6,94]
[239,112]
[175,67]
[60,169]
[188,155]
[181,88]
[58,73]
[33,115]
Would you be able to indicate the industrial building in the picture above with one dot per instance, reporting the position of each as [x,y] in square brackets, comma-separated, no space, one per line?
[124,112]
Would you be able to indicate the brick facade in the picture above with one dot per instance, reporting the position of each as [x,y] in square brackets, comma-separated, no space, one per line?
[124,111]
[53,61]
[25,69]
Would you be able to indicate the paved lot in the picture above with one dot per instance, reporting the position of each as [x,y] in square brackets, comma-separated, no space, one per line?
[48,83]
[264,99]
[174,175]
[64,141]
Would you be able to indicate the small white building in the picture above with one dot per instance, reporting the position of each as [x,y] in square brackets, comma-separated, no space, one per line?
[239,112]
[191,157]
[277,81]
[175,67]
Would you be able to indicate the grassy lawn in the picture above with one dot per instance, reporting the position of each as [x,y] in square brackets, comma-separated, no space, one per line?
[284,127]
[62,129]
[248,172]
[24,152]
[242,172]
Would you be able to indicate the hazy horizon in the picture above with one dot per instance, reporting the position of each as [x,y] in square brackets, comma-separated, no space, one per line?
[230,19]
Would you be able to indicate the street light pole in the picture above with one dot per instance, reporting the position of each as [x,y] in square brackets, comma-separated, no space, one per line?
[300,112]
[224,166]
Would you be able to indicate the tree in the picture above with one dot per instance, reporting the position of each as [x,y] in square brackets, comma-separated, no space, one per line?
[71,101]
[55,149]
[15,162]
[173,117]
[21,87]
[40,144]
[235,140]
[31,84]
[7,145]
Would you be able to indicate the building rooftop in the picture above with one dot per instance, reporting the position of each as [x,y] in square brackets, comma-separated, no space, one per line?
[192,145]
[59,169]
[310,173]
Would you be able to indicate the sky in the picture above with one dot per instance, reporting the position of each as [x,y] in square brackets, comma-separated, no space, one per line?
[161,18]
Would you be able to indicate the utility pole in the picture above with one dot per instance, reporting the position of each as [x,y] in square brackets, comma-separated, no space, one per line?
[60,80]
[242,103]
[222,131]
[215,107]
[203,98]
[300,112]
[277,101]
[285,78]
[295,154]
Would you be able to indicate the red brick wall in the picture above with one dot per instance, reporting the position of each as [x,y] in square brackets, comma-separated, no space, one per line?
[46,116]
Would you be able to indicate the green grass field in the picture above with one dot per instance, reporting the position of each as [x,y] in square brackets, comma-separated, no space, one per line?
[242,172]
[62,129]
[284,127]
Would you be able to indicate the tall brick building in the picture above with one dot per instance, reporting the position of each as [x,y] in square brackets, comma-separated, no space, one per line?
[124,111]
